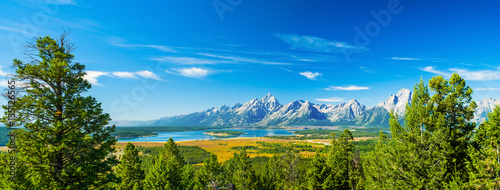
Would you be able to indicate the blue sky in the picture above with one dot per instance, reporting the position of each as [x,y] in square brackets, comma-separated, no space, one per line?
[163,58]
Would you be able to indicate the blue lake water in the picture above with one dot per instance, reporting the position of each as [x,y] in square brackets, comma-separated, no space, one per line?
[198,135]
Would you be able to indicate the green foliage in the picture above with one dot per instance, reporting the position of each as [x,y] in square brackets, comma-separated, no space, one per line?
[241,171]
[431,148]
[129,170]
[166,171]
[484,166]
[65,144]
[212,172]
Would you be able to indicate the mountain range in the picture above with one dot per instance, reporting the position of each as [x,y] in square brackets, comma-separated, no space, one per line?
[267,111]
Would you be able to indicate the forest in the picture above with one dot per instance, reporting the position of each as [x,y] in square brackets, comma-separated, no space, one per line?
[66,143]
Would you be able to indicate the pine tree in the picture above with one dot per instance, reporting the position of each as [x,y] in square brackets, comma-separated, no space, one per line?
[188,178]
[484,166]
[166,170]
[318,172]
[65,144]
[243,176]
[212,171]
[272,176]
[129,170]
[338,161]
[431,148]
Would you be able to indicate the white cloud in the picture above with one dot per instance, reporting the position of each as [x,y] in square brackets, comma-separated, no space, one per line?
[348,88]
[311,75]
[405,58]
[332,99]
[124,74]
[432,69]
[480,75]
[147,74]
[488,89]
[4,83]
[92,76]
[193,72]
[311,43]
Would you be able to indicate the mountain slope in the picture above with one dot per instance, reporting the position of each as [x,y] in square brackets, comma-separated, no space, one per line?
[397,102]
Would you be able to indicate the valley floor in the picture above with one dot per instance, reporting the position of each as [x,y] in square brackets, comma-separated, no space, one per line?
[225,148]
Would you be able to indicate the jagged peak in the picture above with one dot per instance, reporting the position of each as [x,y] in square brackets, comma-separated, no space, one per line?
[353,101]
[403,91]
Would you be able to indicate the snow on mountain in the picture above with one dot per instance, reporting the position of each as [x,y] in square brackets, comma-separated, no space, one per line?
[397,102]
[295,113]
[484,107]
[343,111]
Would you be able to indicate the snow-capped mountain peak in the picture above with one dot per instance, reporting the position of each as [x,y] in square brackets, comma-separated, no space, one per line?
[397,102]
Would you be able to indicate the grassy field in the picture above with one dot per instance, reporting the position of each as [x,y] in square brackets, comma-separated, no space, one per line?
[256,146]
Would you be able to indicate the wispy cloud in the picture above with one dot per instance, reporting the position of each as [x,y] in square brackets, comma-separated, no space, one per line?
[189,60]
[147,74]
[120,42]
[92,76]
[479,75]
[311,75]
[406,58]
[237,59]
[311,43]
[143,74]
[367,70]
[488,89]
[10,29]
[209,59]
[193,72]
[332,99]
[61,2]
[432,69]
[348,88]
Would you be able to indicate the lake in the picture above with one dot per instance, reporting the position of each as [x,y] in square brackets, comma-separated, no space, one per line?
[198,135]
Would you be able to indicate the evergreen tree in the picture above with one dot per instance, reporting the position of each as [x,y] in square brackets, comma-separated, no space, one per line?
[166,170]
[338,161]
[484,166]
[212,171]
[318,172]
[272,175]
[243,175]
[431,148]
[64,144]
[188,178]
[129,170]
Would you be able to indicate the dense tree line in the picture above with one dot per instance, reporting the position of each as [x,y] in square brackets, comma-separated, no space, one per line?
[66,143]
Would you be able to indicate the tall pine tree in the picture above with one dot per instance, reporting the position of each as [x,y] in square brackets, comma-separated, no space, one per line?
[65,143]
[431,148]
[129,170]
[166,170]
